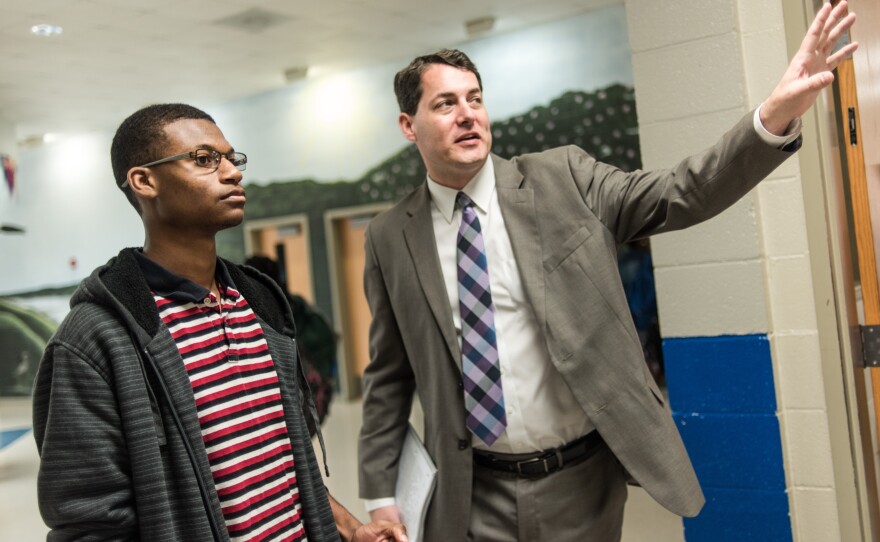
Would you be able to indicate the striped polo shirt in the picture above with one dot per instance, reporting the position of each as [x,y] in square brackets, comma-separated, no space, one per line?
[238,402]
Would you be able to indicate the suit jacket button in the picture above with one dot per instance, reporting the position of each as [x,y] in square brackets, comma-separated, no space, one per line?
[462,444]
[460,385]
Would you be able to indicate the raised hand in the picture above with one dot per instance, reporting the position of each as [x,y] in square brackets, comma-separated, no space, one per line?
[810,70]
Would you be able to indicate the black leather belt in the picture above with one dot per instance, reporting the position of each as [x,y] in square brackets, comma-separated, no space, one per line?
[545,462]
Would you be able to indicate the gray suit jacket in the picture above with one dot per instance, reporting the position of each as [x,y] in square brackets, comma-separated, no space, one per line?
[566,213]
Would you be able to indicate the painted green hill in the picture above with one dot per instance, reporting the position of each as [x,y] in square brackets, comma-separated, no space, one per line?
[23,334]
[602,122]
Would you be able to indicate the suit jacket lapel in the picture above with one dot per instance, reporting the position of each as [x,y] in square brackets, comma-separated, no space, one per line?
[419,235]
[518,207]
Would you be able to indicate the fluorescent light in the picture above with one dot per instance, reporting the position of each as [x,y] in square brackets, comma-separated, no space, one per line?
[46,30]
[39,139]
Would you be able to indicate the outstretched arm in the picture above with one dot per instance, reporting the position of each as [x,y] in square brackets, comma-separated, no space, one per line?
[810,70]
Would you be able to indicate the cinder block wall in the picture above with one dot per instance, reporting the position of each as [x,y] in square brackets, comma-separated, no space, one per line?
[735,294]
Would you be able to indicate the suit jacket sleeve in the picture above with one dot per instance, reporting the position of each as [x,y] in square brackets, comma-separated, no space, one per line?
[389,385]
[642,203]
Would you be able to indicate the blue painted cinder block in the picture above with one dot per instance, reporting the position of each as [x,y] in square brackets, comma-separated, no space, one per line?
[738,515]
[734,450]
[724,403]
[729,373]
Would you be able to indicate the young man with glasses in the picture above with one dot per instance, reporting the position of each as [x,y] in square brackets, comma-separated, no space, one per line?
[170,404]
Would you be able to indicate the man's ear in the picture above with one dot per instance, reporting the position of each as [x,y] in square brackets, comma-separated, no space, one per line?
[142,183]
[405,122]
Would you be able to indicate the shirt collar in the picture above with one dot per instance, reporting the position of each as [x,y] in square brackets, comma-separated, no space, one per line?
[479,189]
[166,284]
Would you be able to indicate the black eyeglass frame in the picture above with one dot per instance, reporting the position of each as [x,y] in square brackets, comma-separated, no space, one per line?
[237,159]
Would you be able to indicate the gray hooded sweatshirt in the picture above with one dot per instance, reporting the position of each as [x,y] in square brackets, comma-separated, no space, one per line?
[114,414]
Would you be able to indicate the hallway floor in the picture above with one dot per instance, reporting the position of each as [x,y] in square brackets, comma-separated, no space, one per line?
[20,520]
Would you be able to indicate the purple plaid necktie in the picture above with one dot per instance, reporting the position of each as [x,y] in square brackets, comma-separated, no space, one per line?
[481,372]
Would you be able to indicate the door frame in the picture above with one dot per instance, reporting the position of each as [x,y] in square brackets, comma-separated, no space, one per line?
[853,459]
[252,227]
[348,378]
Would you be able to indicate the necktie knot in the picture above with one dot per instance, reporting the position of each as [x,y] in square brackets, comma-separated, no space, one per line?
[468,214]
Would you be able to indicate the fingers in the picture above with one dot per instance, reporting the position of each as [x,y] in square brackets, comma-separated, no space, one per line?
[841,55]
[829,24]
[393,533]
[399,532]
[820,80]
[839,30]
[386,513]
[838,13]
[817,29]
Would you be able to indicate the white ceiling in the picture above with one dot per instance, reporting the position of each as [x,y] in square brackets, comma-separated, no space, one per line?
[115,56]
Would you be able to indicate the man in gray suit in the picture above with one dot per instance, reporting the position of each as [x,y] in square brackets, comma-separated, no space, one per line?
[495,296]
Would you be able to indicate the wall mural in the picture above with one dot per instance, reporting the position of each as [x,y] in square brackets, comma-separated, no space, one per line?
[602,122]
[23,334]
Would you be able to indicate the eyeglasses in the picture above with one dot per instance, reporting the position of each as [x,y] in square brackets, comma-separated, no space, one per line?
[203,158]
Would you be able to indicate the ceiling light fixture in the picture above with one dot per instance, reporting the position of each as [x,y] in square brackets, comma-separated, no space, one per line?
[31,141]
[46,30]
[297,73]
[480,25]
[253,20]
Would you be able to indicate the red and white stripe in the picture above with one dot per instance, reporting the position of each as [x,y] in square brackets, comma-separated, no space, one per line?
[240,411]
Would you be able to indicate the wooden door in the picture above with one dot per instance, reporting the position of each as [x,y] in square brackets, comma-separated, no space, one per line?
[285,240]
[859,123]
[857,103]
[346,229]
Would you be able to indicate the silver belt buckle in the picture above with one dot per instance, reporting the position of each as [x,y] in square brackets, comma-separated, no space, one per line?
[560,462]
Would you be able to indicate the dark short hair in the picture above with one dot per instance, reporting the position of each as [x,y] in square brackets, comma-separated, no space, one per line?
[408,81]
[140,139]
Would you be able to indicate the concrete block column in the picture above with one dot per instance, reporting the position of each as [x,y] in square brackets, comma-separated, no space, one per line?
[735,293]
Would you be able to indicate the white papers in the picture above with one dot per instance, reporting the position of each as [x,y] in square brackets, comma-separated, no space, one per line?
[416,478]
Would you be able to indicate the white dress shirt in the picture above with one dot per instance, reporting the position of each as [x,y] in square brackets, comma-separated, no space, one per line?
[541,410]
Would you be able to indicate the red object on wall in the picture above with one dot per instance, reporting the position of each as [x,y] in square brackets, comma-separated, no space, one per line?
[73,262]
[9,172]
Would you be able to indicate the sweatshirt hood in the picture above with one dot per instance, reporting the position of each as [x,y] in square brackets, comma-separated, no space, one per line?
[120,286]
